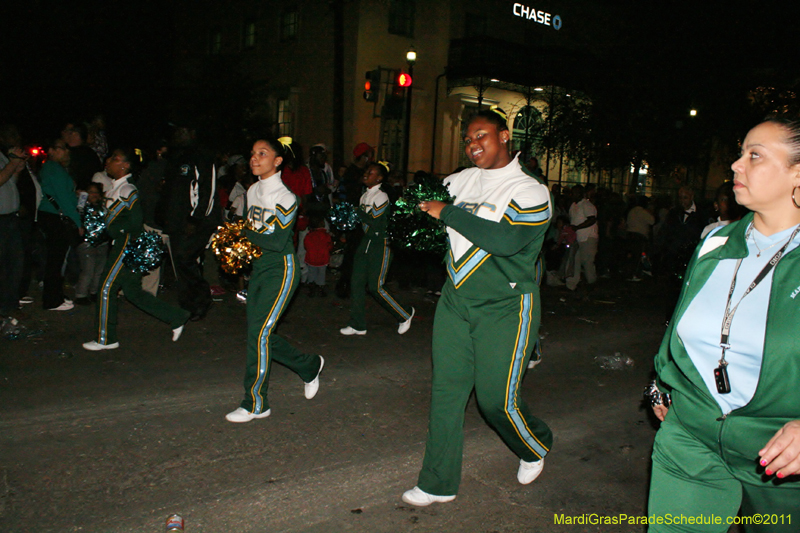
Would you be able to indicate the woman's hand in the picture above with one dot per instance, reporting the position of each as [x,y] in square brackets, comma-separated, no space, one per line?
[432,207]
[660,411]
[781,455]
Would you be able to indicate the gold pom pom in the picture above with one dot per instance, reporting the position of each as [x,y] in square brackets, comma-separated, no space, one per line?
[231,247]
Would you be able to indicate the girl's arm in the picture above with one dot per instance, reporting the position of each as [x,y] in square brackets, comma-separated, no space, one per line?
[518,227]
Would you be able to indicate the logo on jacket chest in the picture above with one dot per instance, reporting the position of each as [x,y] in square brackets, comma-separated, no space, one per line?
[473,208]
[795,293]
[259,214]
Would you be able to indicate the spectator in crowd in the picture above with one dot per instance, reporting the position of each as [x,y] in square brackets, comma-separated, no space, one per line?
[189,215]
[149,185]
[321,171]
[238,196]
[83,161]
[560,257]
[678,238]
[639,222]
[533,167]
[12,163]
[92,255]
[96,137]
[57,209]
[351,183]
[728,210]
[296,175]
[318,245]
[583,219]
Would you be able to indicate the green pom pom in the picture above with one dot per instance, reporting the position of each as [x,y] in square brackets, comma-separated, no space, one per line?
[411,228]
[145,253]
[344,217]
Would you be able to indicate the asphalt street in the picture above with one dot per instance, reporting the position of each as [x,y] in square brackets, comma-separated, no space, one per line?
[117,441]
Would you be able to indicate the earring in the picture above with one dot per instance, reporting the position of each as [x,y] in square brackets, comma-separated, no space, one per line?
[794,200]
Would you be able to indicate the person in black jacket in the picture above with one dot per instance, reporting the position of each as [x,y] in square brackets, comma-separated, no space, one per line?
[189,216]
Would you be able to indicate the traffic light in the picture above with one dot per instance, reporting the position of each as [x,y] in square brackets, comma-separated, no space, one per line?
[404,79]
[372,85]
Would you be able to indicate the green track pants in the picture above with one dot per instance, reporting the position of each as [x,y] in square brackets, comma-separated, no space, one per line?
[692,480]
[118,276]
[485,345]
[370,266]
[270,290]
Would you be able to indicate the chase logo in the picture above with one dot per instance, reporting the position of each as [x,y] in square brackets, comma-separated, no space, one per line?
[184,170]
[795,293]
[542,17]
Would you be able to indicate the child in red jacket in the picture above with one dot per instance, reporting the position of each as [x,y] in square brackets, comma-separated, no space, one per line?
[318,245]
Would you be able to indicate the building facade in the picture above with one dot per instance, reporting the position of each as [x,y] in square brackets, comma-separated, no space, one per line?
[299,68]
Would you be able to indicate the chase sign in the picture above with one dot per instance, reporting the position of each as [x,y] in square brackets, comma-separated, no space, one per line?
[541,17]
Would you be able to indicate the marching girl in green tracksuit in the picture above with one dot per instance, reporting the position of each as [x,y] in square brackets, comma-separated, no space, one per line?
[272,211]
[373,257]
[487,319]
[123,225]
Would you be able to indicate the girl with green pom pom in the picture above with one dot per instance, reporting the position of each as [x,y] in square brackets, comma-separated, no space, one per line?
[488,315]
[373,257]
[123,225]
[271,212]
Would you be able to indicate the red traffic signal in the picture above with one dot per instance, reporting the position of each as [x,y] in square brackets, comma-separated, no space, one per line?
[372,85]
[404,80]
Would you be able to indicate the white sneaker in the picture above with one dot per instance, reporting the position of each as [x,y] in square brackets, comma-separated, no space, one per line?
[25,300]
[351,331]
[66,305]
[176,333]
[529,471]
[94,346]
[533,362]
[313,386]
[420,498]
[405,326]
[243,415]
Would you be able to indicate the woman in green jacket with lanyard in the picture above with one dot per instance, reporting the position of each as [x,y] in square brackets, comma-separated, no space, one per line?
[730,360]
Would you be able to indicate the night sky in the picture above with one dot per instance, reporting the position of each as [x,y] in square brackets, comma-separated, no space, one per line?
[75,59]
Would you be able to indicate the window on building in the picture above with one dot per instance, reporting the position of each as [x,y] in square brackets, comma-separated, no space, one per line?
[526,136]
[249,35]
[290,20]
[474,25]
[215,42]
[401,17]
[285,125]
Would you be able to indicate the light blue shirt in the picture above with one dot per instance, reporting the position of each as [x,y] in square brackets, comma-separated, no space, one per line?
[700,326]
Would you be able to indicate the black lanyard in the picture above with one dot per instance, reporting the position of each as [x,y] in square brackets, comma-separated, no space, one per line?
[721,374]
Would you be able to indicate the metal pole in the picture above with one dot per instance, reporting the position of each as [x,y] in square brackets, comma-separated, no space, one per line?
[407,132]
[435,117]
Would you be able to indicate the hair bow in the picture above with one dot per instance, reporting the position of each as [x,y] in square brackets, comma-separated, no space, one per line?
[385,164]
[286,142]
[499,112]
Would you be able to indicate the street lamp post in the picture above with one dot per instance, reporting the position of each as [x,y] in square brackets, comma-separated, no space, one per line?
[411,58]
